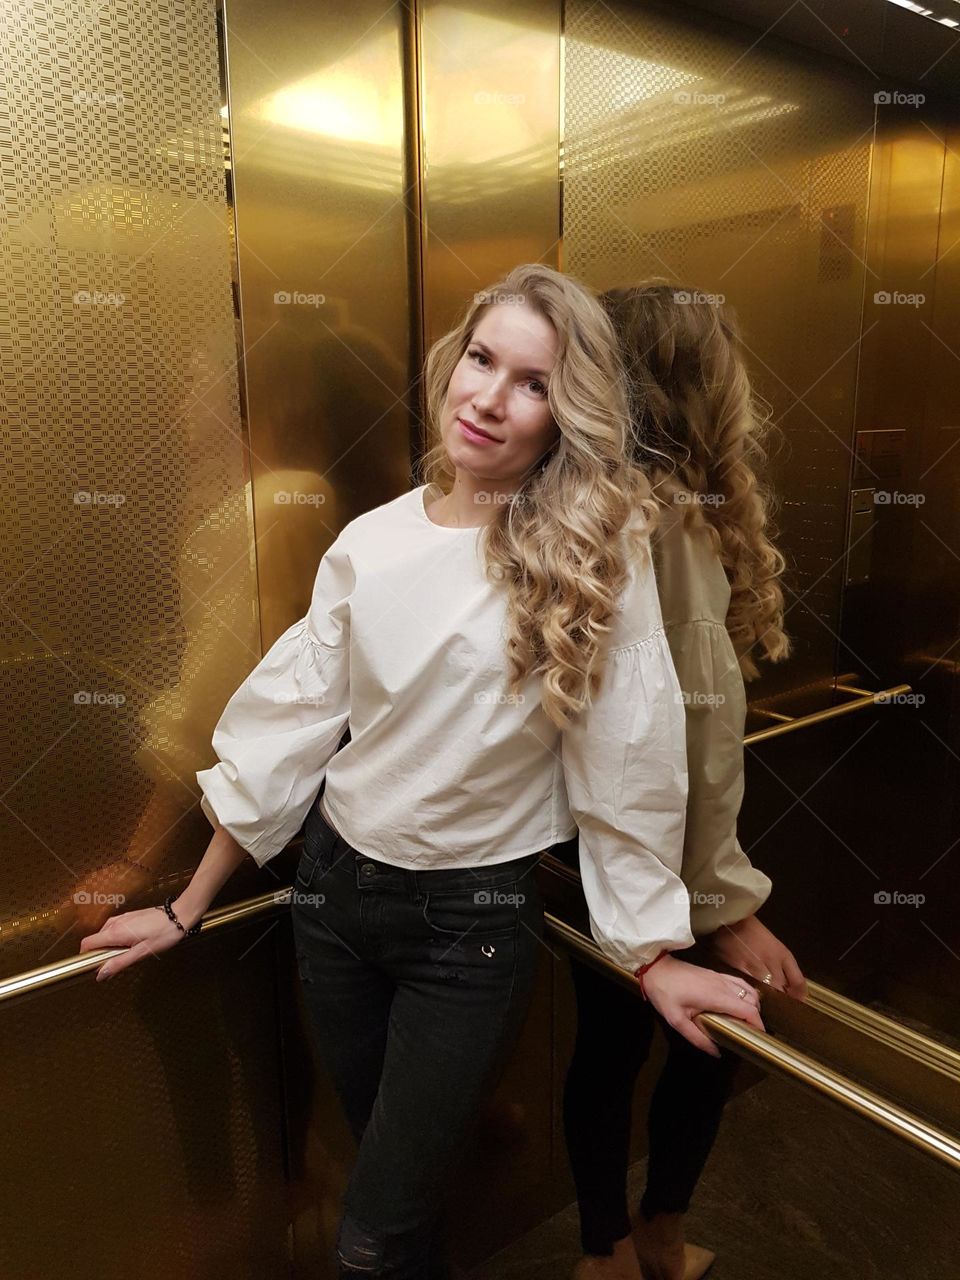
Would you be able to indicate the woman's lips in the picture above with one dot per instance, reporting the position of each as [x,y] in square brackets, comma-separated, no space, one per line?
[476,434]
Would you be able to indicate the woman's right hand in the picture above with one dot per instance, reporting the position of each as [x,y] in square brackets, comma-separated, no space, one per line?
[145,933]
[679,991]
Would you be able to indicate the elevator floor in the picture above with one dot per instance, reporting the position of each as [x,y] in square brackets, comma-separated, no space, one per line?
[795,1188]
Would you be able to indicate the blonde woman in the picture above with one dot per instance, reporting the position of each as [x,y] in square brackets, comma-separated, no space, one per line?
[493,641]
[697,435]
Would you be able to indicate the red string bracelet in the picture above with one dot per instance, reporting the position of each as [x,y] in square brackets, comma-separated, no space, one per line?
[638,973]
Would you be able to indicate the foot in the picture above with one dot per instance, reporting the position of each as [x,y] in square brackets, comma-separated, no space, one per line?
[621,1265]
[662,1253]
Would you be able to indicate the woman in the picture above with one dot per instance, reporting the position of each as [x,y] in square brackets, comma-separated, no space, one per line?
[697,434]
[482,642]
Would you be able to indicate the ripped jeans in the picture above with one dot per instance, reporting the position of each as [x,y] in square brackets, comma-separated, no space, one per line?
[415,985]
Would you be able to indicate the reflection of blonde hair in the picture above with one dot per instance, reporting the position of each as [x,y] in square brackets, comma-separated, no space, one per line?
[556,545]
[698,430]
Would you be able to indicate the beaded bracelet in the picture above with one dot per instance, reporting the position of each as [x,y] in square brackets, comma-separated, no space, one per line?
[638,973]
[172,915]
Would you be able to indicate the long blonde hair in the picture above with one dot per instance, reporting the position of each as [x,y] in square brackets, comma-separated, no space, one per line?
[699,429]
[555,546]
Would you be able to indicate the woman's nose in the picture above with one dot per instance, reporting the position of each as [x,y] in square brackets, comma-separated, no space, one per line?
[490,398]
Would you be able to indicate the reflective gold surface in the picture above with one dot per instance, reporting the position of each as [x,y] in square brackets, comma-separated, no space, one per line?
[211,364]
[701,154]
[491,144]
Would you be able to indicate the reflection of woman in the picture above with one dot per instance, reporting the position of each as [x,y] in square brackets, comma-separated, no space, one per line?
[495,647]
[697,437]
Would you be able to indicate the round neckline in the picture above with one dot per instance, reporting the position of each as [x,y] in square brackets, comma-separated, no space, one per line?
[444,528]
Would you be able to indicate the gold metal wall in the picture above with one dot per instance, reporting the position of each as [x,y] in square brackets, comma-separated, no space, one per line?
[198,393]
[697,153]
[490,94]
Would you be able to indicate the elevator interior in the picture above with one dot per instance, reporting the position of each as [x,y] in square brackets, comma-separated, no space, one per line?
[230,233]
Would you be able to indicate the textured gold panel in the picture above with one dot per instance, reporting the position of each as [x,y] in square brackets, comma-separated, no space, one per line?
[696,152]
[147,1108]
[129,596]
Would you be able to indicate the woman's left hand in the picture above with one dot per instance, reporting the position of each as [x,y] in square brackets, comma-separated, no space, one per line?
[750,947]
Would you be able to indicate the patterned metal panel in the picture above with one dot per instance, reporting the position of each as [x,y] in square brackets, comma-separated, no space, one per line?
[129,601]
[147,1108]
[697,152]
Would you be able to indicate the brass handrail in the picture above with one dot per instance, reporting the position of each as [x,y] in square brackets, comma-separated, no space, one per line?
[48,975]
[859,1017]
[863,698]
[768,1052]
[757,1046]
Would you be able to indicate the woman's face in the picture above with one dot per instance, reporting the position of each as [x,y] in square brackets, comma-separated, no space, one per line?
[499,387]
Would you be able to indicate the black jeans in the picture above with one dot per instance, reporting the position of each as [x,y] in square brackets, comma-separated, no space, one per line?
[614,1033]
[415,984]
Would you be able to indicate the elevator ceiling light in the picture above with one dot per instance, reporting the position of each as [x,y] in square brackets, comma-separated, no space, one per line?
[928,13]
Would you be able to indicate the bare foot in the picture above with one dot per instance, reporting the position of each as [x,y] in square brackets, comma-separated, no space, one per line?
[621,1265]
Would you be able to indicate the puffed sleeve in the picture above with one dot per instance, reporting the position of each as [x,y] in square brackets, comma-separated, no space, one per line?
[724,885]
[625,770]
[279,730]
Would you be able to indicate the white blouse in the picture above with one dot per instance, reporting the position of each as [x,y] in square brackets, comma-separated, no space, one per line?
[404,641]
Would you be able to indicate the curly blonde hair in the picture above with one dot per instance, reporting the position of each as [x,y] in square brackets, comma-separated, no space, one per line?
[555,545]
[699,429]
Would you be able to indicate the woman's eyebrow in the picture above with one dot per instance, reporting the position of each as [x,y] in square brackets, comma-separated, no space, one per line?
[536,373]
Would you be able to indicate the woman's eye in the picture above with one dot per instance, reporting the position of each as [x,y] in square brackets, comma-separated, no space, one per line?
[540,389]
[477,355]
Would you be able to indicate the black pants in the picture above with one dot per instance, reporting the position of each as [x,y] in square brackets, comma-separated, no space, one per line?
[614,1033]
[415,985]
